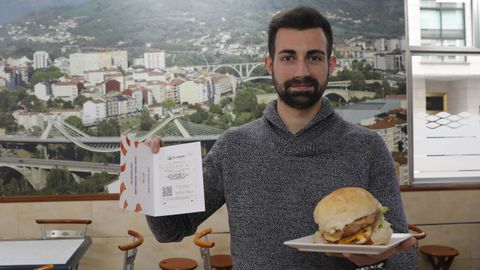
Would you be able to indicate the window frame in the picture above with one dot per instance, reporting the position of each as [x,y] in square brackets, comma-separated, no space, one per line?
[415,50]
[441,10]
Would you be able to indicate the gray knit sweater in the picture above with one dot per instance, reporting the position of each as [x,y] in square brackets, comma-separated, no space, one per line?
[271,181]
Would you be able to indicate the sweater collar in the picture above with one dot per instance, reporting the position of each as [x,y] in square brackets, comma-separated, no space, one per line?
[271,115]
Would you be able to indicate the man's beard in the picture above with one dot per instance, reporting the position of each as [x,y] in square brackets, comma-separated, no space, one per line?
[300,99]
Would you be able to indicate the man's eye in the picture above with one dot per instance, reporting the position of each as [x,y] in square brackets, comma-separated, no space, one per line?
[315,58]
[287,58]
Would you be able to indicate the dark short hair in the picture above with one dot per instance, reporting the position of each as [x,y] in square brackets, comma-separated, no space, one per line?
[299,18]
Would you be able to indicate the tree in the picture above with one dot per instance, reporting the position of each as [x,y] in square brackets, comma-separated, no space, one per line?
[108,128]
[168,104]
[19,94]
[259,110]
[56,103]
[67,105]
[79,100]
[401,87]
[45,74]
[225,101]
[146,121]
[6,101]
[14,186]
[386,88]
[199,116]
[8,122]
[60,181]
[33,104]
[358,81]
[242,118]
[76,122]
[216,109]
[95,183]
[245,101]
[100,157]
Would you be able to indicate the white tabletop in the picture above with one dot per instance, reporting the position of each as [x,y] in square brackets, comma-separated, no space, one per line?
[34,252]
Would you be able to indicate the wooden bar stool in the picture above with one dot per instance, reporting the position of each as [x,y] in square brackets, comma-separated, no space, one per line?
[441,257]
[218,262]
[177,264]
[221,262]
[131,250]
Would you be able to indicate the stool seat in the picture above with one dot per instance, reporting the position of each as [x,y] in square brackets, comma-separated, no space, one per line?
[178,264]
[221,262]
[441,257]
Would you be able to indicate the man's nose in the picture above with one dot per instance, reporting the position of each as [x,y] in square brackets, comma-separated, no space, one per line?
[302,69]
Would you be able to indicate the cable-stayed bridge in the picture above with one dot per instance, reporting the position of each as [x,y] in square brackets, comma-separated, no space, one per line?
[171,129]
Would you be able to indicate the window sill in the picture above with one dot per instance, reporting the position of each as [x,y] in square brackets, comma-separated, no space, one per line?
[60,198]
[438,187]
[115,197]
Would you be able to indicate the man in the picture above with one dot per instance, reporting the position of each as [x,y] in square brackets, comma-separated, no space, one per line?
[272,172]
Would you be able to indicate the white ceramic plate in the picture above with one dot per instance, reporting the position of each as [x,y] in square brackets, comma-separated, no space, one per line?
[306,244]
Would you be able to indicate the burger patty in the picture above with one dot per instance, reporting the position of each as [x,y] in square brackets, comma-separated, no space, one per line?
[352,228]
[359,224]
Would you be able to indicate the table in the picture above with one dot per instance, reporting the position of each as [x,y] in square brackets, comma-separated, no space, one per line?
[28,254]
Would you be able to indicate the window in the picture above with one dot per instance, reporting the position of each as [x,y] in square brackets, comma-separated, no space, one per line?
[442,24]
[436,102]
[443,73]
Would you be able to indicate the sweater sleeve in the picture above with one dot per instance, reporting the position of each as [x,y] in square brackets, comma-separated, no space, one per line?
[384,186]
[176,227]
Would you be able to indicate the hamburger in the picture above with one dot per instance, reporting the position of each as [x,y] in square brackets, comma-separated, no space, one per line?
[352,216]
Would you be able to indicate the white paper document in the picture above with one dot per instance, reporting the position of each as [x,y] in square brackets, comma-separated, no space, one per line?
[169,182]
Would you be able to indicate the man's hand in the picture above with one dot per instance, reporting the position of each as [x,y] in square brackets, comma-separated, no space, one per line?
[154,143]
[367,259]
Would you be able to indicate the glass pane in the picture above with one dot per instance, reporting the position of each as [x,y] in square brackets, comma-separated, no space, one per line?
[429,20]
[446,119]
[452,19]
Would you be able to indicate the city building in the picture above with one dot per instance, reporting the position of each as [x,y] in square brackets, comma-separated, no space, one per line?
[154,60]
[388,61]
[222,85]
[393,131]
[40,59]
[94,111]
[43,90]
[82,62]
[66,91]
[30,120]
[193,92]
[63,64]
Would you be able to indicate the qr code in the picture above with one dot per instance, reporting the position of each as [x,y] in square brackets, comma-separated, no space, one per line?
[167,191]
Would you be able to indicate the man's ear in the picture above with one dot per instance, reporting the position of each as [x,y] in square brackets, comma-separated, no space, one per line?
[332,63]
[268,64]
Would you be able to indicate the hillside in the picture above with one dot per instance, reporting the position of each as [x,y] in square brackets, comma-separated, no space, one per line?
[13,10]
[190,25]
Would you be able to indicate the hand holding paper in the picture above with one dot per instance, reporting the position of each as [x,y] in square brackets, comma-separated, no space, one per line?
[169,182]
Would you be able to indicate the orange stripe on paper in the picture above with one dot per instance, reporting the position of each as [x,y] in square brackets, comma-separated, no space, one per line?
[122,187]
[124,150]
